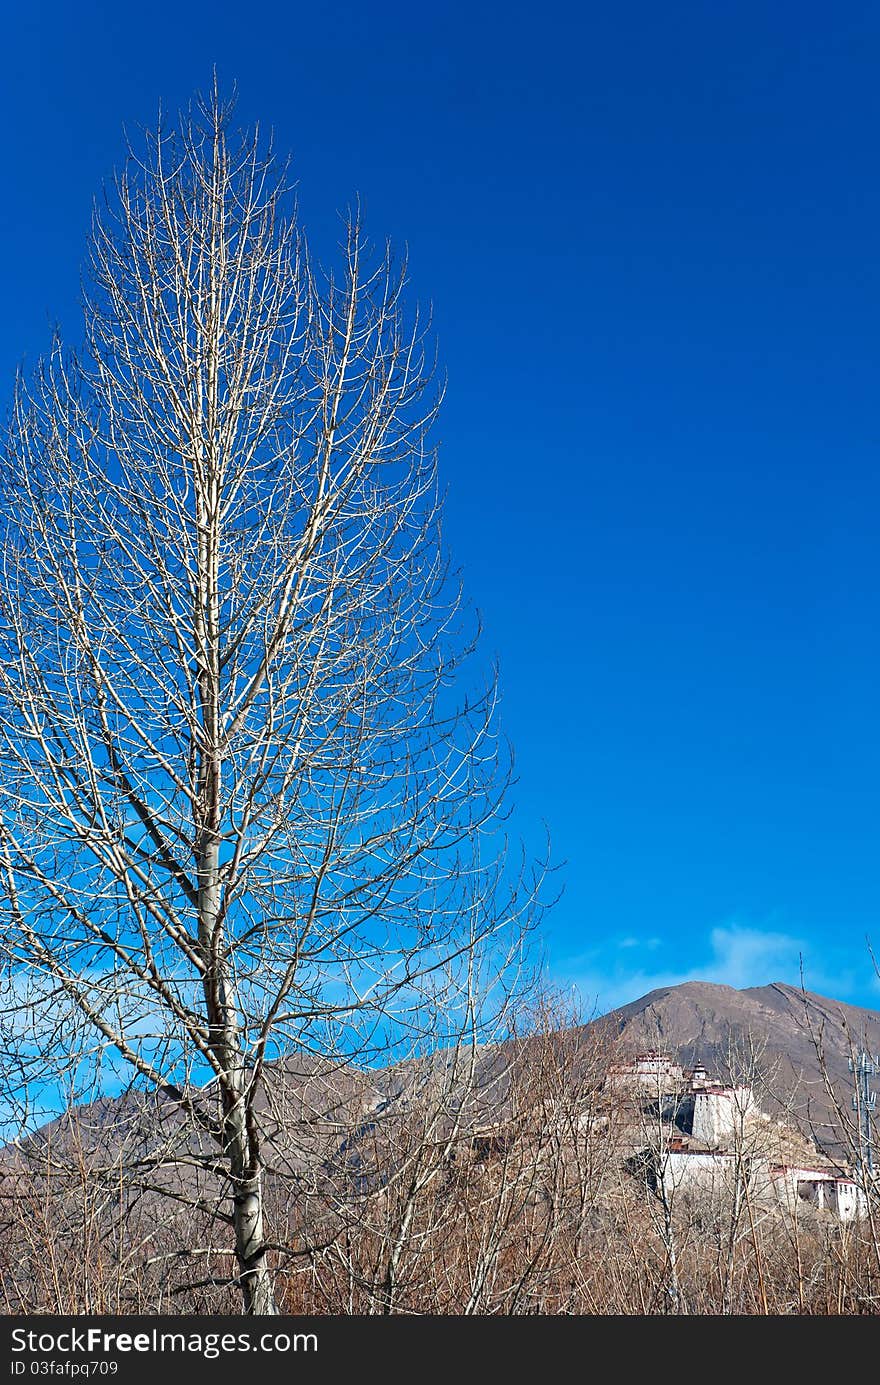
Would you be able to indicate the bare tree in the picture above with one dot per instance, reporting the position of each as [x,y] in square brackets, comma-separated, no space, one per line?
[247,809]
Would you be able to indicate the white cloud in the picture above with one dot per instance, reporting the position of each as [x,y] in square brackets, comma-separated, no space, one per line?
[623,969]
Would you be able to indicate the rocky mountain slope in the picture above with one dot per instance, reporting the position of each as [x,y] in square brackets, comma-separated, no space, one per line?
[794,1043]
[792,1046]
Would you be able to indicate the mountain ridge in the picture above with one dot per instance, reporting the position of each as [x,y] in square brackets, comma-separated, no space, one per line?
[794,1043]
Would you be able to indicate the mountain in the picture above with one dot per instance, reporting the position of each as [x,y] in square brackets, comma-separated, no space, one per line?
[528,1162]
[794,1044]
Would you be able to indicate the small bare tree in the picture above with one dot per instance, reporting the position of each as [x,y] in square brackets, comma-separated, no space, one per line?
[245,811]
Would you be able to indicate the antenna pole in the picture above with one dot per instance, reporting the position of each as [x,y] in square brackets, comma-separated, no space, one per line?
[864,1102]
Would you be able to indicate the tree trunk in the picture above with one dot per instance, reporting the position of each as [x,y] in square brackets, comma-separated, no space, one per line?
[256,1282]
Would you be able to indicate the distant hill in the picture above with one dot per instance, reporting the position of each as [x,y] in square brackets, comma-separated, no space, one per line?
[771,1036]
[544,1130]
[788,1035]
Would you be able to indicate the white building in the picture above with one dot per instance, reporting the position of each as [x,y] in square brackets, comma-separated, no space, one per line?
[652,1072]
[850,1199]
[696,1170]
[719,1113]
[824,1189]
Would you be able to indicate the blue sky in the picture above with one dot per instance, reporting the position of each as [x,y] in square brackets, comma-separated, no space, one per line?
[651,235]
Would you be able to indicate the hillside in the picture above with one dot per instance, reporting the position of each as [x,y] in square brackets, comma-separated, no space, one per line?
[778,1031]
[551,1173]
